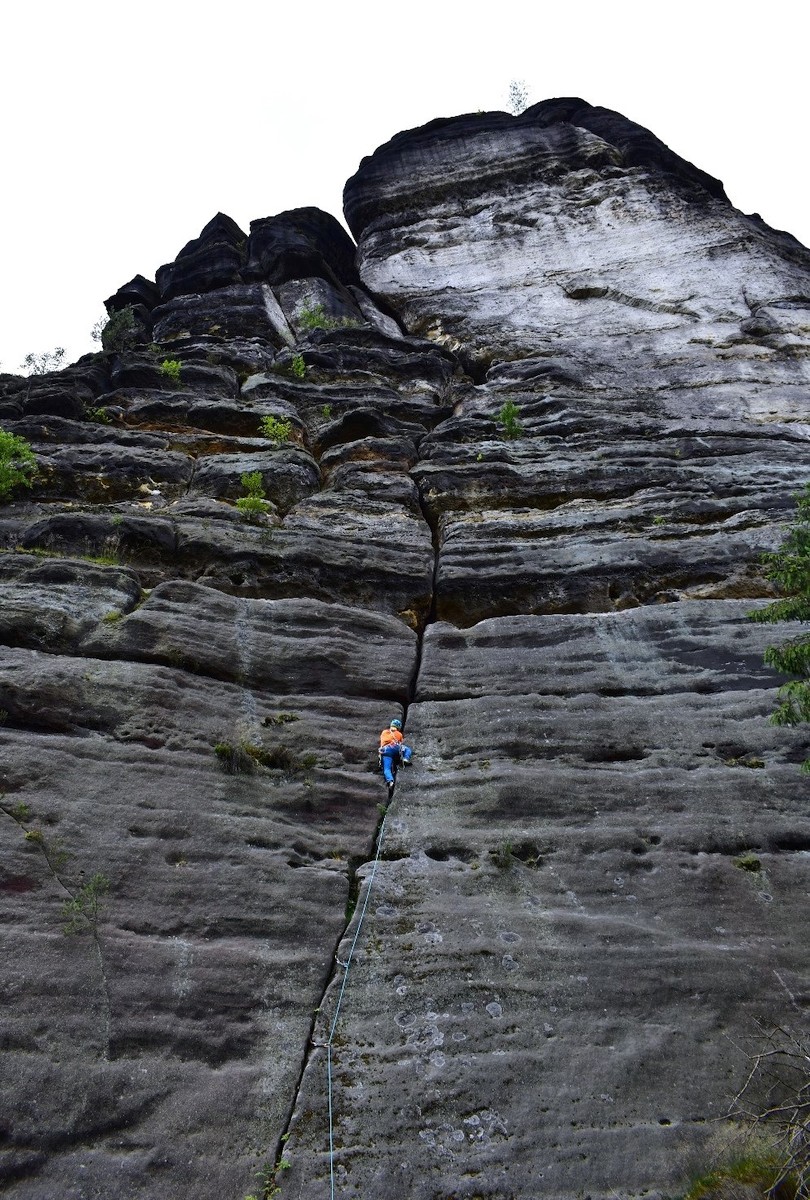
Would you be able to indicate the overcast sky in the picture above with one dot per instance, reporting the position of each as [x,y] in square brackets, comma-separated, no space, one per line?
[127,126]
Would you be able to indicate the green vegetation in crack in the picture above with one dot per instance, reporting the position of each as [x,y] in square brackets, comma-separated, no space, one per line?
[244,758]
[253,503]
[80,914]
[111,559]
[99,415]
[171,369]
[508,418]
[789,568]
[267,1174]
[293,368]
[502,857]
[275,429]
[51,848]
[55,854]
[314,317]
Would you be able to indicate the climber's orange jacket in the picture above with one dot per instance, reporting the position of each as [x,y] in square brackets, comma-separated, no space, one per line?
[390,735]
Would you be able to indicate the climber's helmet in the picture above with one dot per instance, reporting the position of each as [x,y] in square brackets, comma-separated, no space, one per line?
[395,724]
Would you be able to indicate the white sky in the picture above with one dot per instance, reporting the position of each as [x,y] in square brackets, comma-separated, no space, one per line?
[127,126]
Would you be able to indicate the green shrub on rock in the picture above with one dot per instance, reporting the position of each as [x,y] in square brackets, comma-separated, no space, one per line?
[81,913]
[748,862]
[234,758]
[508,417]
[275,429]
[171,368]
[292,368]
[789,568]
[99,415]
[117,333]
[244,757]
[252,504]
[18,465]
[315,317]
[253,483]
[254,501]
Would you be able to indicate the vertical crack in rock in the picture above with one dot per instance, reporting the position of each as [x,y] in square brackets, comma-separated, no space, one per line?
[53,855]
[355,909]
[356,900]
[430,616]
[105,993]
[191,481]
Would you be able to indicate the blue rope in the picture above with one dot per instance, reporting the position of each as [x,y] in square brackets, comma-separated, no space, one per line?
[333,1026]
[331,1136]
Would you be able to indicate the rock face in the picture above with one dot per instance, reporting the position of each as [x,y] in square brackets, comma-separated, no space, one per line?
[570,240]
[538,432]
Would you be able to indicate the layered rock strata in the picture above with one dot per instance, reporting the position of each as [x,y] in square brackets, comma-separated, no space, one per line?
[559,944]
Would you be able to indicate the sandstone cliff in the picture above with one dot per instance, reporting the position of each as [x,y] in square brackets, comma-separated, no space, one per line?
[557,940]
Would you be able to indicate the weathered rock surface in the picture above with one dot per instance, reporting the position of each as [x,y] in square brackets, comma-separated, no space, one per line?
[591,883]
[568,238]
[559,932]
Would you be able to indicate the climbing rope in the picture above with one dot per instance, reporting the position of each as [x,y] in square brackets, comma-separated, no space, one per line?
[346,965]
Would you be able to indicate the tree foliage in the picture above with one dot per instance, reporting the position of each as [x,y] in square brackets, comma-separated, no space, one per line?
[789,568]
[116,332]
[18,466]
[508,417]
[518,97]
[776,1097]
[43,363]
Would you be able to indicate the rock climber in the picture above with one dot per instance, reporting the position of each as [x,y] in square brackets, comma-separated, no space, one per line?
[393,752]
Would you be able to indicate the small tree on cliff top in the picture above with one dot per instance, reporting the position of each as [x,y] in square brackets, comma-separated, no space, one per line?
[518,97]
[44,362]
[789,568]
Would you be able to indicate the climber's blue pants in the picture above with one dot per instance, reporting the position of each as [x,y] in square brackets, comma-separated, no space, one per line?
[390,756]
